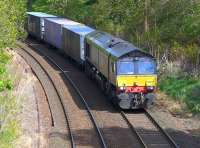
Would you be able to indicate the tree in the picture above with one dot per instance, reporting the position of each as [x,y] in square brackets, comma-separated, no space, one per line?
[12,14]
[29,5]
[146,7]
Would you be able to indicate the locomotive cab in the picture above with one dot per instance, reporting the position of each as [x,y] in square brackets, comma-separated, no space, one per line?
[136,81]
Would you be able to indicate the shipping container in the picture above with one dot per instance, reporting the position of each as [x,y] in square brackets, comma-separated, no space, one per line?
[35,24]
[73,40]
[53,30]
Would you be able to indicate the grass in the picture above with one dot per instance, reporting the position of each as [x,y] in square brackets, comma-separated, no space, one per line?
[9,129]
[184,89]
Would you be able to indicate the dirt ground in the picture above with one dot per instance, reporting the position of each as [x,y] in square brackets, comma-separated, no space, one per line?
[34,117]
[182,126]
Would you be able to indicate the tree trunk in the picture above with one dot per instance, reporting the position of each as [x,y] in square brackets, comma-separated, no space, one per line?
[29,5]
[146,24]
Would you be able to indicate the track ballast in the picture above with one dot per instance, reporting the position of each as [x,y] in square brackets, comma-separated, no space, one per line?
[67,117]
[148,131]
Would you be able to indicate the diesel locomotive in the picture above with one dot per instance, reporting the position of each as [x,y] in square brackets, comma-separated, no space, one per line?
[124,72]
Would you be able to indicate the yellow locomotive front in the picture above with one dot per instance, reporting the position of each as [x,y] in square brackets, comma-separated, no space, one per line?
[136,82]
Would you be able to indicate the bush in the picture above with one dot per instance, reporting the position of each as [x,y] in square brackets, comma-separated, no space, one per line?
[192,98]
[5,81]
[184,89]
[8,106]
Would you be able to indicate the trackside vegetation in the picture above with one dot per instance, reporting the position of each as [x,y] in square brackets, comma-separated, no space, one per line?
[9,127]
[167,29]
[183,89]
[12,14]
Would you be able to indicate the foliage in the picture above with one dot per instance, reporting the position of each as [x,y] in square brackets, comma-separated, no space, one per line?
[184,89]
[153,25]
[12,14]
[5,82]
[8,106]
[11,20]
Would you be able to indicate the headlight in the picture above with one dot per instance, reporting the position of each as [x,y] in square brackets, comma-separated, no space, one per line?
[150,88]
[122,88]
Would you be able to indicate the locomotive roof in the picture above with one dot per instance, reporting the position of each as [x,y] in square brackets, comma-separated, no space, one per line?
[79,29]
[112,45]
[40,14]
[62,21]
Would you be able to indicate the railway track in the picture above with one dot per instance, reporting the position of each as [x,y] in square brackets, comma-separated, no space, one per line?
[148,131]
[153,136]
[55,105]
[72,139]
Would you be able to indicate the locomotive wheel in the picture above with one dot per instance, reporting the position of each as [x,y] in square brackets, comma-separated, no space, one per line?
[147,104]
[103,86]
[112,97]
[106,89]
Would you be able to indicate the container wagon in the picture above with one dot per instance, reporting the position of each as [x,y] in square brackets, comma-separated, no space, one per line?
[35,24]
[53,30]
[73,41]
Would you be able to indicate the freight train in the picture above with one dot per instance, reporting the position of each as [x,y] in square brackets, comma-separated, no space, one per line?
[125,73]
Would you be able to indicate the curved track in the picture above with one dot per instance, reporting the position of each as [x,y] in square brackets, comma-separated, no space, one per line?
[55,104]
[73,142]
[148,131]
[136,121]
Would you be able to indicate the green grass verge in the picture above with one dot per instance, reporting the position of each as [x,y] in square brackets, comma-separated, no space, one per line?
[9,129]
[183,88]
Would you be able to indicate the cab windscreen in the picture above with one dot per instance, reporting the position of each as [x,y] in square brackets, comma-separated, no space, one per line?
[136,65]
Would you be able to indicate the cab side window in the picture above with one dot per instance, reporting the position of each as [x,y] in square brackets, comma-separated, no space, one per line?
[87,54]
[113,67]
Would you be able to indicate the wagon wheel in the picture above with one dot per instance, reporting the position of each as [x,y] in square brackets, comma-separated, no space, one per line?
[87,71]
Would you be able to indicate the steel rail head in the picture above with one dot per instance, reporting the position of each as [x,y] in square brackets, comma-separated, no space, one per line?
[52,120]
[103,143]
[133,129]
[83,99]
[172,142]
